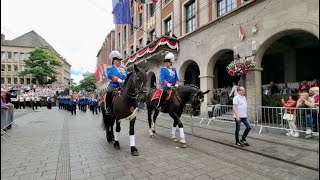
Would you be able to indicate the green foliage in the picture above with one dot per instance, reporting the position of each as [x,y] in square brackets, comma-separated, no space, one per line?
[41,64]
[88,84]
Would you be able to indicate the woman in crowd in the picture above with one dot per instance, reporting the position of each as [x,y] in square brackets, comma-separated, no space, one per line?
[307,102]
[304,87]
[290,114]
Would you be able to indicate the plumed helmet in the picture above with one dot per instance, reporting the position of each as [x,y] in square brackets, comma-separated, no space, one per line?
[169,57]
[115,55]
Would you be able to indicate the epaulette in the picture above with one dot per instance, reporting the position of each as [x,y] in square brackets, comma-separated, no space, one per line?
[108,66]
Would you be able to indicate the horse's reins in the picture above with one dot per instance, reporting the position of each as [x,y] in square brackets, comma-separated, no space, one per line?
[133,95]
[182,102]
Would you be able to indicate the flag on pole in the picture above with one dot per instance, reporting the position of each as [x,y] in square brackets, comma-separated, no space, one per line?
[121,12]
[241,33]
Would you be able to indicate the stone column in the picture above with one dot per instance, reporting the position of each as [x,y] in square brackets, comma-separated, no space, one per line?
[206,83]
[253,91]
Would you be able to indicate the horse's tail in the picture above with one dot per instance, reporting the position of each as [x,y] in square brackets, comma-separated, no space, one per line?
[104,124]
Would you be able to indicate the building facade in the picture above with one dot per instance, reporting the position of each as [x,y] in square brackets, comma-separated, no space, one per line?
[13,54]
[281,35]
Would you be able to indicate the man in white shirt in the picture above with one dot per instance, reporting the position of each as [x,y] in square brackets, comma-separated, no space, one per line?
[21,102]
[240,110]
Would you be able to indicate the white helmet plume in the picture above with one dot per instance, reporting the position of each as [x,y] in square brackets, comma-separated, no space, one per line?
[115,54]
[170,56]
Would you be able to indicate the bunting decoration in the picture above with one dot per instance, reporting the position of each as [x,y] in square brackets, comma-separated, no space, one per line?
[147,50]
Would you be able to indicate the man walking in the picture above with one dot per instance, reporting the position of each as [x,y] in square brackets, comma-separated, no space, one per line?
[241,115]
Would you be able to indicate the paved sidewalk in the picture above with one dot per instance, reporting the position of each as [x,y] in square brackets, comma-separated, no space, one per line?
[52,144]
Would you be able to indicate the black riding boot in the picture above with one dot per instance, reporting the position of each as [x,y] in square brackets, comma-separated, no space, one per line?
[109,103]
[161,101]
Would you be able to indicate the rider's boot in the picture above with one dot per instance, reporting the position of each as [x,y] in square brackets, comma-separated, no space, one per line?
[109,104]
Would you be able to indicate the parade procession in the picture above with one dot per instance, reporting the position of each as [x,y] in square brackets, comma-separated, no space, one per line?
[160,89]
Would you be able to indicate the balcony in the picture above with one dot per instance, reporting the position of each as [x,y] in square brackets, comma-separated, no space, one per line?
[153,53]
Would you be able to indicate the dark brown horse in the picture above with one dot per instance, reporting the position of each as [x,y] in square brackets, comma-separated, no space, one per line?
[125,107]
[174,106]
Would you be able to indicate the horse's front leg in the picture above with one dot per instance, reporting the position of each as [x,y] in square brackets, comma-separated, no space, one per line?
[150,121]
[134,150]
[117,136]
[181,130]
[155,115]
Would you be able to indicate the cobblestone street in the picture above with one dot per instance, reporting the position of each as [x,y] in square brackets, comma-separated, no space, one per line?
[52,144]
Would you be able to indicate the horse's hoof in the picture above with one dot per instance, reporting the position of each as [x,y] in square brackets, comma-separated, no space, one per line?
[134,151]
[152,135]
[174,139]
[116,145]
[109,139]
[154,131]
[183,145]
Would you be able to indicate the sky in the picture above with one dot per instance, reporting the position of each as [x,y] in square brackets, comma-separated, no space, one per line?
[75,28]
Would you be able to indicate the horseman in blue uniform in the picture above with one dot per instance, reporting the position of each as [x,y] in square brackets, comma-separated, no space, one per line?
[116,74]
[168,78]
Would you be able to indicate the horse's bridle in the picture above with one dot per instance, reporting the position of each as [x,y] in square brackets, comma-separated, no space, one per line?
[193,97]
[134,95]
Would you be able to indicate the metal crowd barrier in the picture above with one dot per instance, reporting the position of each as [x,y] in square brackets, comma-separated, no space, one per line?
[224,113]
[273,117]
[6,119]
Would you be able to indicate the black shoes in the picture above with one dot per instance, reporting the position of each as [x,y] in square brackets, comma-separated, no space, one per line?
[244,143]
[239,144]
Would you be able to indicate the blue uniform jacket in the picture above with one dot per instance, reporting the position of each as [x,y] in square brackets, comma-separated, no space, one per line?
[166,78]
[113,74]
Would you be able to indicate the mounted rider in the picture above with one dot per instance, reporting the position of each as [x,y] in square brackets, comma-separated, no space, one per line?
[168,78]
[116,74]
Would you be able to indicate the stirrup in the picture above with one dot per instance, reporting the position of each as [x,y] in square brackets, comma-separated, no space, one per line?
[108,111]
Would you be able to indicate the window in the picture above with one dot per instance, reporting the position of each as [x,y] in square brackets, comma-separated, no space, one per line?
[151,9]
[152,35]
[3,55]
[131,27]
[140,18]
[3,67]
[21,81]
[22,56]
[28,80]
[131,4]
[140,43]
[34,81]
[15,68]
[9,55]
[21,67]
[15,80]
[124,33]
[167,26]
[9,68]
[166,1]
[124,54]
[9,81]
[131,49]
[2,80]
[16,56]
[225,6]
[119,39]
[190,16]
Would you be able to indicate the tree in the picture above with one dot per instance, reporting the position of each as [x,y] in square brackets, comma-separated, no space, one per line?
[88,83]
[41,64]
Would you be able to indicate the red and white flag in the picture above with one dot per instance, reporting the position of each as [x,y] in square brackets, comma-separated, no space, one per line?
[241,33]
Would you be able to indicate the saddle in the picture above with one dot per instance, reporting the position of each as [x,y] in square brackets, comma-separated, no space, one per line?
[103,98]
[158,93]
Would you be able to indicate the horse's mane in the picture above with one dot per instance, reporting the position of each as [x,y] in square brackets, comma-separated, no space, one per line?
[127,79]
[186,87]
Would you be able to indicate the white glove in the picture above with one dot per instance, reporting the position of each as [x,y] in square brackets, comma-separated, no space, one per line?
[169,85]
[176,85]
[120,81]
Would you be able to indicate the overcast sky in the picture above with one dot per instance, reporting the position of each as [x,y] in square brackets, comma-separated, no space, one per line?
[75,28]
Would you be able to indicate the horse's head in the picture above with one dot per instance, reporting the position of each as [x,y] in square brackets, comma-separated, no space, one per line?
[139,79]
[196,99]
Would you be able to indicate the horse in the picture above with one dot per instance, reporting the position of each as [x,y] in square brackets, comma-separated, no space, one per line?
[174,107]
[125,107]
